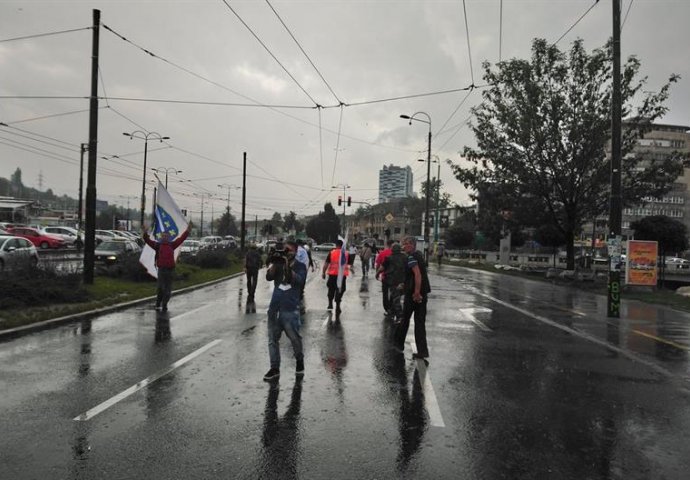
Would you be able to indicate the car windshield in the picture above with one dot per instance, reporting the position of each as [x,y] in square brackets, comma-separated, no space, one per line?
[112,246]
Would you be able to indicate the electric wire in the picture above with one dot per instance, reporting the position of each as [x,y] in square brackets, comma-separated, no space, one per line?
[206,103]
[44,117]
[39,35]
[269,51]
[469,50]
[337,145]
[576,22]
[453,114]
[626,14]
[302,50]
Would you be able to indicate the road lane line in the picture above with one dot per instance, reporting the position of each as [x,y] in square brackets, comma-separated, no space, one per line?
[661,340]
[89,414]
[430,401]
[468,313]
[194,310]
[578,333]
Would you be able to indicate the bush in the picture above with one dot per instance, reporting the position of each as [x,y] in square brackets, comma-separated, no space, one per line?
[40,286]
[210,259]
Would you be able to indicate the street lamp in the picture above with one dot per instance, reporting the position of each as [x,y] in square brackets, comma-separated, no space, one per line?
[166,170]
[428,175]
[145,137]
[229,187]
[438,195]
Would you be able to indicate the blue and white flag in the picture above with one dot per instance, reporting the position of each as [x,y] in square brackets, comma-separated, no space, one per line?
[167,218]
[342,261]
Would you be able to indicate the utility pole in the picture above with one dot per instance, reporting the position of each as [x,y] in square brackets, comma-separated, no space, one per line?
[90,234]
[615,211]
[243,225]
[83,147]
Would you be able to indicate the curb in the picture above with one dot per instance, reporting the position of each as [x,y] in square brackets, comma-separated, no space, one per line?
[75,317]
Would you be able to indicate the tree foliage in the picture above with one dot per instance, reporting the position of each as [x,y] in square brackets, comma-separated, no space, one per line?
[290,222]
[227,225]
[671,234]
[542,132]
[325,226]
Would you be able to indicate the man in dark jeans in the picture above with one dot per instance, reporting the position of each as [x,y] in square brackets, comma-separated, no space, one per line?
[417,289]
[165,262]
[252,264]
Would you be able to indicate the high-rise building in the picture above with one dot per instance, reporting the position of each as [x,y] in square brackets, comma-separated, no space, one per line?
[394,182]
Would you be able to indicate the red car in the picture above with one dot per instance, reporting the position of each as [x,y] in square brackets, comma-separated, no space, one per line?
[42,240]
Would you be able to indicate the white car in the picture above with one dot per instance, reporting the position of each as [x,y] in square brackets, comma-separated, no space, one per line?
[68,234]
[211,242]
[190,247]
[16,252]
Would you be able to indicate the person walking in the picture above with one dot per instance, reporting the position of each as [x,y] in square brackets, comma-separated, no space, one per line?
[393,271]
[365,256]
[283,312]
[440,252]
[352,252]
[416,291]
[332,266]
[252,264]
[380,273]
[165,263]
[303,256]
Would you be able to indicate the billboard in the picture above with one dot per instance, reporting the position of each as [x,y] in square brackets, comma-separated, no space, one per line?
[640,264]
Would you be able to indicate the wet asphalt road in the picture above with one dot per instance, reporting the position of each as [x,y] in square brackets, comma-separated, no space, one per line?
[526,381]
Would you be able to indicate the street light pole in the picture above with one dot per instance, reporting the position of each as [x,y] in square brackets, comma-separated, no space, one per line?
[145,137]
[166,170]
[229,187]
[428,177]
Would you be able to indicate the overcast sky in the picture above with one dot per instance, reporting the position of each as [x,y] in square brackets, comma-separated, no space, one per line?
[216,91]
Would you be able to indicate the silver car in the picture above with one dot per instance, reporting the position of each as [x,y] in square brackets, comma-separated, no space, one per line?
[16,252]
[68,234]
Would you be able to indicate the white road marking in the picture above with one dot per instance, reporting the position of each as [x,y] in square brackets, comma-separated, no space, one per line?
[194,310]
[578,333]
[430,401]
[88,415]
[469,313]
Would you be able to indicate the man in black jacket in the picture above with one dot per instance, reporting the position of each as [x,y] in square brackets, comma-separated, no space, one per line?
[417,289]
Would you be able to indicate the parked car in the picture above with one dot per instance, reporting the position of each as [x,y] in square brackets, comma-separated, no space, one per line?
[42,240]
[677,263]
[111,253]
[229,241]
[190,247]
[68,234]
[16,252]
[327,247]
[211,242]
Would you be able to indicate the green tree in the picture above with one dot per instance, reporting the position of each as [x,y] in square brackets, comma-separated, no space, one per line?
[227,225]
[444,199]
[290,222]
[543,128]
[324,227]
[671,234]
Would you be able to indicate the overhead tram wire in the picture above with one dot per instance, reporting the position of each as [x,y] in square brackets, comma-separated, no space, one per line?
[457,130]
[44,117]
[305,53]
[337,145]
[469,50]
[440,130]
[39,35]
[626,14]
[576,22]
[269,52]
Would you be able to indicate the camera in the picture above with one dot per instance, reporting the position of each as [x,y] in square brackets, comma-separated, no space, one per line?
[278,254]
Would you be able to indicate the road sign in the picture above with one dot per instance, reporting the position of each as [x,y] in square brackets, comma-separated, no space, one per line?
[390,217]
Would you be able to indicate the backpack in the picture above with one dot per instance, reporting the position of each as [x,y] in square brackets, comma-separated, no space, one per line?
[395,266]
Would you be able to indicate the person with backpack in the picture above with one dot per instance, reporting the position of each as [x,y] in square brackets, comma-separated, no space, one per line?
[252,265]
[381,274]
[393,270]
[416,293]
[365,256]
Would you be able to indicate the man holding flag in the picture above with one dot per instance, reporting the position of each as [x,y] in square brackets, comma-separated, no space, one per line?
[170,229]
[336,265]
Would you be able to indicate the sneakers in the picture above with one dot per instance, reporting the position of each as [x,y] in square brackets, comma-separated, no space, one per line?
[330,307]
[271,374]
[299,371]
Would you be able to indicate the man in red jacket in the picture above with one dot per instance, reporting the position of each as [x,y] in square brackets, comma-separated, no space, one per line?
[165,261]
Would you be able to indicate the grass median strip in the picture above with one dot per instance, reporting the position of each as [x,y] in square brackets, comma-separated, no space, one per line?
[108,291]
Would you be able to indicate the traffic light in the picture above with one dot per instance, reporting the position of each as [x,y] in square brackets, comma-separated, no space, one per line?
[340,200]
[349,201]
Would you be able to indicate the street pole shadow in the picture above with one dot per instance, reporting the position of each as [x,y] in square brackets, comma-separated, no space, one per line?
[280,437]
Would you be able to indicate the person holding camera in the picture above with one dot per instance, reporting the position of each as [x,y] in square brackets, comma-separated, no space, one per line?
[283,312]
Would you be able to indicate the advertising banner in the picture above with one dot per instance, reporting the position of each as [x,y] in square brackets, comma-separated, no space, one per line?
[640,264]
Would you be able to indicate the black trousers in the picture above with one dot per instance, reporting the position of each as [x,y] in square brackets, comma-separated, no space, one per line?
[333,292]
[164,290]
[252,279]
[385,295]
[419,310]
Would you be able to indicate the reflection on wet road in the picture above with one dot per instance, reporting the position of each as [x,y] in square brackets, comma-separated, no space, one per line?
[526,380]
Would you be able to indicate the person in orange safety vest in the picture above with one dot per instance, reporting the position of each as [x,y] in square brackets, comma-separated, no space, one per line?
[331,266]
